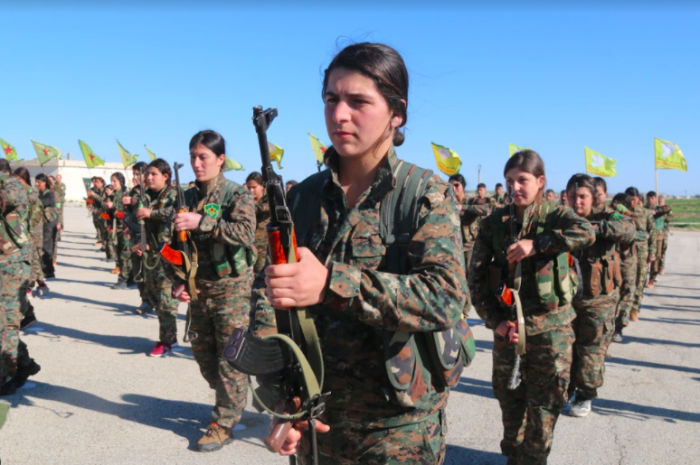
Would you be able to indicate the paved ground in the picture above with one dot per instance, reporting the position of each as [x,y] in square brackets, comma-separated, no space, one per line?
[100,400]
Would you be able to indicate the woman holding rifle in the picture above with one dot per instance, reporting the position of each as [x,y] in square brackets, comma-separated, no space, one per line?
[219,219]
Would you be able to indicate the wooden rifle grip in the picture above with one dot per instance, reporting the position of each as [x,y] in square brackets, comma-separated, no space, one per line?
[279,428]
[182,235]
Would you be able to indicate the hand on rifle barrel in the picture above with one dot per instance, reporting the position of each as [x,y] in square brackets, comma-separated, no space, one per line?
[142,213]
[520,250]
[299,284]
[508,330]
[187,221]
[291,444]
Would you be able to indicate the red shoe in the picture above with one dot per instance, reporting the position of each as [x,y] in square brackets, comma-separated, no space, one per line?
[160,350]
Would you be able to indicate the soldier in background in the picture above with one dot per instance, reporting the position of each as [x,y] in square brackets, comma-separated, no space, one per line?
[48,199]
[601,190]
[645,247]
[660,212]
[60,197]
[628,267]
[499,197]
[254,184]
[60,190]
[131,204]
[667,236]
[550,196]
[563,198]
[289,184]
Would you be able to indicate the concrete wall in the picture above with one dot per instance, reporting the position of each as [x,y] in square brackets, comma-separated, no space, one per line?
[73,172]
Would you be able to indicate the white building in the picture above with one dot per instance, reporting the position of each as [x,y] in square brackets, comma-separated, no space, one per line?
[73,172]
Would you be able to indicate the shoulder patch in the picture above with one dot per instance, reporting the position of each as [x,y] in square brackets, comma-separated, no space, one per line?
[212,210]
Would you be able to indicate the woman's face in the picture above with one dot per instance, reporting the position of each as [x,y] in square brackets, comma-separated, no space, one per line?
[525,186]
[41,185]
[99,184]
[581,200]
[256,189]
[357,115]
[116,185]
[155,180]
[205,164]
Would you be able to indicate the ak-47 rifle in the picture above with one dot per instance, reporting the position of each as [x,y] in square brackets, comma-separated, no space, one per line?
[281,357]
[142,226]
[509,297]
[184,258]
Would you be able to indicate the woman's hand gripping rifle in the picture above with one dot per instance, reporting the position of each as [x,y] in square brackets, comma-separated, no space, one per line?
[290,359]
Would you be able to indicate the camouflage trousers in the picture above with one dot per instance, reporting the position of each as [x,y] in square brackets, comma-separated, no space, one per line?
[418,443]
[138,271]
[594,327]
[37,240]
[641,279]
[110,243]
[123,254]
[664,247]
[47,245]
[628,268]
[468,303]
[14,276]
[530,411]
[221,307]
[661,240]
[158,292]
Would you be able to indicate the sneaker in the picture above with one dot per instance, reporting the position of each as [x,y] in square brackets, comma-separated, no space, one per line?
[144,308]
[580,408]
[27,321]
[41,291]
[214,439]
[634,316]
[121,284]
[617,337]
[160,350]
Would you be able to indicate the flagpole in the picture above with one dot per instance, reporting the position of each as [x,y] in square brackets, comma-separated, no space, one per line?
[656,171]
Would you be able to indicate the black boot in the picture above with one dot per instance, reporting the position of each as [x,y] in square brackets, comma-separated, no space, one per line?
[121,284]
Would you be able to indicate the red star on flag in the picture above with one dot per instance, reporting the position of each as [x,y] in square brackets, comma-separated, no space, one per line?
[8,150]
[46,151]
[92,157]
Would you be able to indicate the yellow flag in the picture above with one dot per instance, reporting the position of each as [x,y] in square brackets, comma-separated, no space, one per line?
[669,156]
[128,158]
[513,149]
[598,164]
[231,165]
[150,154]
[319,149]
[276,153]
[447,160]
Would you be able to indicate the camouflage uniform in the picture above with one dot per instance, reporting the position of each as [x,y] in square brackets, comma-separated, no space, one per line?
[97,210]
[136,267]
[60,190]
[471,212]
[646,250]
[158,287]
[660,224]
[664,246]
[224,242]
[36,233]
[596,307]
[48,199]
[530,411]
[628,269]
[368,425]
[14,267]
[123,237]
[262,218]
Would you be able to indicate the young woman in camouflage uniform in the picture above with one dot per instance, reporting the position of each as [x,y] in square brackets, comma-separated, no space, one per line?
[254,184]
[342,276]
[221,224]
[158,213]
[538,254]
[601,276]
[123,238]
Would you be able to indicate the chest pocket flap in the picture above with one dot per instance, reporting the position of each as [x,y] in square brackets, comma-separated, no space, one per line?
[367,251]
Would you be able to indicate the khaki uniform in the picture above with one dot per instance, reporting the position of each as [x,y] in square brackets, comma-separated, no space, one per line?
[472,211]
[646,249]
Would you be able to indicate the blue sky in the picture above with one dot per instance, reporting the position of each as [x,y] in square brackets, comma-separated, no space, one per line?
[555,80]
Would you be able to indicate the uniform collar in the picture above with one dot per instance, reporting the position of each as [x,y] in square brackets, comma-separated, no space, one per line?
[385,180]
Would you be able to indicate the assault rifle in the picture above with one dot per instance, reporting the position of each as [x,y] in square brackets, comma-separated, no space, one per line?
[142,226]
[184,258]
[281,359]
[509,297]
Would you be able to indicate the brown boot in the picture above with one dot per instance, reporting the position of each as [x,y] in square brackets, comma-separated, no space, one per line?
[116,270]
[215,438]
[634,316]
[661,272]
[650,285]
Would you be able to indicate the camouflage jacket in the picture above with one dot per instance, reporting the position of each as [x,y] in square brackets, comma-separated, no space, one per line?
[362,299]
[628,251]
[600,262]
[48,199]
[118,210]
[262,218]
[644,220]
[471,212]
[97,200]
[60,190]
[661,218]
[159,226]
[564,231]
[36,210]
[15,216]
[228,219]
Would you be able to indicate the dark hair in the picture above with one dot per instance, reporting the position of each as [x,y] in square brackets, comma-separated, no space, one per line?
[632,191]
[498,185]
[41,177]
[139,165]
[480,185]
[459,178]
[563,193]
[598,181]
[162,166]
[622,198]
[211,140]
[385,67]
[109,186]
[23,174]
[255,176]
[579,181]
[530,162]
[192,183]
[292,182]
[651,194]
[5,166]
[98,178]
[120,178]
[548,191]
